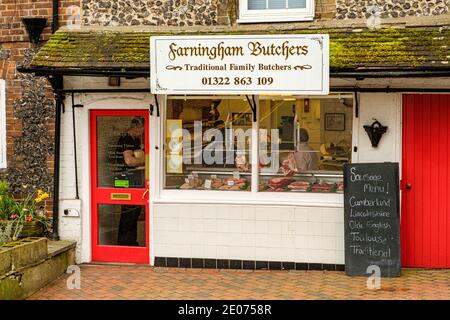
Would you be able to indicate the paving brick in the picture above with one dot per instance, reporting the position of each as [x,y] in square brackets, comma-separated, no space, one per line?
[147,283]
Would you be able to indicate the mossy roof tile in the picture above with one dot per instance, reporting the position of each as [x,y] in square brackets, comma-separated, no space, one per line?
[387,48]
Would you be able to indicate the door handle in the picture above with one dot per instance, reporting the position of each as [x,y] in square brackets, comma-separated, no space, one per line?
[408,186]
[144,194]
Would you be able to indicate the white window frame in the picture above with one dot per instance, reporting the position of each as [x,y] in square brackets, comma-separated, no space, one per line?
[275,15]
[2,124]
[169,196]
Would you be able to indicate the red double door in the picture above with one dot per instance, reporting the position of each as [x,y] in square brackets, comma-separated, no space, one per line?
[119,185]
[425,214]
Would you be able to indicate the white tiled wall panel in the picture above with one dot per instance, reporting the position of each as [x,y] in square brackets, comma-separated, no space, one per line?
[270,233]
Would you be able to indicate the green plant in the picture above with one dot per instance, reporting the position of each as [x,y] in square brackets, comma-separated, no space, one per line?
[10,230]
[14,214]
[31,208]
[7,203]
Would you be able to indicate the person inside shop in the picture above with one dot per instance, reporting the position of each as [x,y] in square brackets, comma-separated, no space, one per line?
[306,157]
[131,146]
[220,143]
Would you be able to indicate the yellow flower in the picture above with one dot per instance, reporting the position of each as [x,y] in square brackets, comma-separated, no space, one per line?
[38,199]
[40,191]
[44,195]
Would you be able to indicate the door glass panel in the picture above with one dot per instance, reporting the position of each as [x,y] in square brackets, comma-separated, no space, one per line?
[120,152]
[121,225]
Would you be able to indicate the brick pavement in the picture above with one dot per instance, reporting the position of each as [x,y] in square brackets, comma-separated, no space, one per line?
[144,282]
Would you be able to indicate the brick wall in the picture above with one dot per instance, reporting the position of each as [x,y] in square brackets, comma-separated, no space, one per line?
[27,119]
[325,9]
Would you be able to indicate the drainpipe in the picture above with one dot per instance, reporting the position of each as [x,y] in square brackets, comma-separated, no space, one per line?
[57,84]
[55,18]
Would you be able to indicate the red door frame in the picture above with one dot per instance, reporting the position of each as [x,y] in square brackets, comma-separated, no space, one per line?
[425,218]
[109,253]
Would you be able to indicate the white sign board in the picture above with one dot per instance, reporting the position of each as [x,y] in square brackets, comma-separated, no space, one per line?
[240,64]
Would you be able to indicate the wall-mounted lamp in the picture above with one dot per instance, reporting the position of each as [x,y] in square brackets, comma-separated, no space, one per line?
[375,131]
[34,27]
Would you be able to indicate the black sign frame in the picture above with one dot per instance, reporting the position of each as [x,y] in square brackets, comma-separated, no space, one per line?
[372,219]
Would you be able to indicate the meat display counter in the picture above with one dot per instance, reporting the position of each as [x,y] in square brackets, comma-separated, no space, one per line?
[318,181]
[224,179]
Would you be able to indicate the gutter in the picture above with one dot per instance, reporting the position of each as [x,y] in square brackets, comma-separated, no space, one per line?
[141,72]
[424,73]
[57,85]
[389,90]
[332,90]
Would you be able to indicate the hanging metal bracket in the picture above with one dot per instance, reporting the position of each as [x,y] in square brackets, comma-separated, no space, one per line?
[157,106]
[356,104]
[252,104]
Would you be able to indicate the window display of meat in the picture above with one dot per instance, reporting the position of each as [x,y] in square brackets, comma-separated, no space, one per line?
[323,187]
[289,166]
[340,187]
[278,184]
[239,187]
[216,183]
[234,181]
[299,186]
[242,164]
[234,184]
[193,183]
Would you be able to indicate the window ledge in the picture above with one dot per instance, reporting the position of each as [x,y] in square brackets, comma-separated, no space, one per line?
[274,18]
[334,200]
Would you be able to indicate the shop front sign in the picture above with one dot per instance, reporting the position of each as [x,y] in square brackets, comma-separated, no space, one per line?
[245,64]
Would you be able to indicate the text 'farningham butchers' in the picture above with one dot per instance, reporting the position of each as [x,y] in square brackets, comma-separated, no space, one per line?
[220,51]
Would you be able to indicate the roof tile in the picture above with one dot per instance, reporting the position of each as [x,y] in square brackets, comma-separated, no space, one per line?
[386,48]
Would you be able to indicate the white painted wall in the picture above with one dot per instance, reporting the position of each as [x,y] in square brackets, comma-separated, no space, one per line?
[386,108]
[287,230]
[69,227]
[78,228]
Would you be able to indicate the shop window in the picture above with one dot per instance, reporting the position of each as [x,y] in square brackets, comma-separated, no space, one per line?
[304,143]
[2,124]
[275,10]
[207,143]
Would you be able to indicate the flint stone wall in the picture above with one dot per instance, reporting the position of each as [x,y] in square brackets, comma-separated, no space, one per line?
[354,9]
[154,12]
[28,161]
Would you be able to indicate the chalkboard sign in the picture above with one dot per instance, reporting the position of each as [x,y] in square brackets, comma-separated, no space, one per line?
[372,218]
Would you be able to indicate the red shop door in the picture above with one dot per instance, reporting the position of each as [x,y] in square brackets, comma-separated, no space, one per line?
[119,182]
[425,215]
